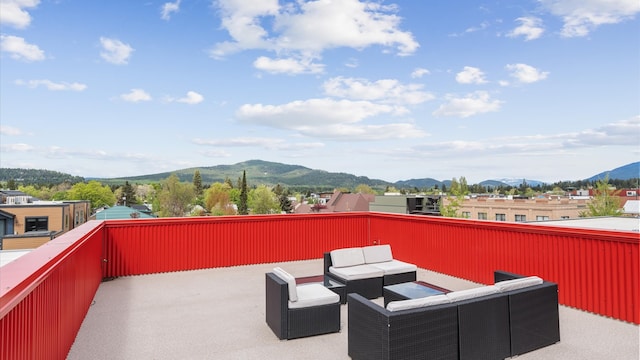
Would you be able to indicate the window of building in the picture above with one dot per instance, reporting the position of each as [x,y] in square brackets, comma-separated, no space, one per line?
[36,224]
[631,193]
[501,217]
[466,214]
[482,216]
[564,217]
[542,218]
[521,218]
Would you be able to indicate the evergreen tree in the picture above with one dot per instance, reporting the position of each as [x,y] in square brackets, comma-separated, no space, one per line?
[243,207]
[128,194]
[197,183]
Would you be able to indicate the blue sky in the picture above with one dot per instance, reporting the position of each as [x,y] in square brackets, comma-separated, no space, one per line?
[546,90]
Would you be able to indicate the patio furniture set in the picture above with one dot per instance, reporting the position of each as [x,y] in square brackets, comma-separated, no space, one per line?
[515,315]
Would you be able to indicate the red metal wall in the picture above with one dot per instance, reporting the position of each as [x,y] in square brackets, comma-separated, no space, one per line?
[161,245]
[596,271]
[45,295]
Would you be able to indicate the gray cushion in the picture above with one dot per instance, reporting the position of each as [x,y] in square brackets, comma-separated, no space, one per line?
[377,253]
[347,257]
[519,283]
[291,282]
[394,267]
[472,293]
[418,303]
[313,295]
[356,272]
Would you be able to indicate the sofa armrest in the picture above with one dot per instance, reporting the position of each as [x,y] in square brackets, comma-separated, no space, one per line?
[368,334]
[327,262]
[277,304]
[500,275]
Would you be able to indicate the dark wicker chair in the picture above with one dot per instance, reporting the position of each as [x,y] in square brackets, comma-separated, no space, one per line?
[378,334]
[289,323]
[533,314]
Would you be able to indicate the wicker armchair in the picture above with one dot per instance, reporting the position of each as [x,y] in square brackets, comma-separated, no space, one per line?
[533,315]
[294,311]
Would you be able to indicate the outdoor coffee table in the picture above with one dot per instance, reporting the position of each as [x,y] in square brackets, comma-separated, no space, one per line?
[331,284]
[410,290]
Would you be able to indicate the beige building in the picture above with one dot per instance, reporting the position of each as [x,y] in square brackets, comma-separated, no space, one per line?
[521,210]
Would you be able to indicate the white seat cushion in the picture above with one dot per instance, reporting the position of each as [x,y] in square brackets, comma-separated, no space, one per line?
[472,293]
[418,303]
[291,282]
[519,283]
[313,295]
[356,272]
[394,267]
[347,257]
[377,253]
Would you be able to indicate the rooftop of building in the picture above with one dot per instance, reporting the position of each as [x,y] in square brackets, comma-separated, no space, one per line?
[220,314]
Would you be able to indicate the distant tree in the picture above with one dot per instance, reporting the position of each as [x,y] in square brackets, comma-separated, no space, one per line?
[128,196]
[217,199]
[228,182]
[243,206]
[457,192]
[365,189]
[175,197]
[605,201]
[197,183]
[11,184]
[263,201]
[93,191]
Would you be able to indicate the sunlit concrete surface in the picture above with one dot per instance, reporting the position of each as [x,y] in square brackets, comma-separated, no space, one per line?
[220,314]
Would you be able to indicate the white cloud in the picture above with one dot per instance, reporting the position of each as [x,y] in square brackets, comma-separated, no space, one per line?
[10,130]
[525,73]
[470,75]
[62,86]
[583,16]
[115,51]
[385,91]
[309,28]
[20,49]
[168,8]
[263,142]
[327,118]
[472,104]
[192,98]
[419,72]
[16,147]
[530,27]
[13,13]
[287,66]
[136,95]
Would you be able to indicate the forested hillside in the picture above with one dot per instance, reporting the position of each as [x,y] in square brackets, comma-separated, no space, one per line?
[37,177]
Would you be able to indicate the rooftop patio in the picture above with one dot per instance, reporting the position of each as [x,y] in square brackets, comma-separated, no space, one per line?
[220,314]
[194,288]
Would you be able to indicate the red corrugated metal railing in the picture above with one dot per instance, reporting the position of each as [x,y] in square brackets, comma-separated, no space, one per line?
[162,245]
[45,295]
[596,270]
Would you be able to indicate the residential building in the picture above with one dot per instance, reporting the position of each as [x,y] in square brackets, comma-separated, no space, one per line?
[520,209]
[337,202]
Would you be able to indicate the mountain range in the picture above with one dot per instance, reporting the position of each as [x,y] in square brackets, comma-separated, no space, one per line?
[292,176]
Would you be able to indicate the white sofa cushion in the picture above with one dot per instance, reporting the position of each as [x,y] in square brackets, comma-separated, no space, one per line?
[291,282]
[313,295]
[394,267]
[377,253]
[418,303]
[472,293]
[356,272]
[347,257]
[519,283]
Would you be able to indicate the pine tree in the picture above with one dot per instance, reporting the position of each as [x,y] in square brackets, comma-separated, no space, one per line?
[242,207]
[197,183]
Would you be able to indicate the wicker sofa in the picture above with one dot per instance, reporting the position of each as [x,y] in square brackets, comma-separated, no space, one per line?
[489,322]
[365,270]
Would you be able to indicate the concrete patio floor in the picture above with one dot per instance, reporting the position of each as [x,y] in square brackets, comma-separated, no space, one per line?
[219,314]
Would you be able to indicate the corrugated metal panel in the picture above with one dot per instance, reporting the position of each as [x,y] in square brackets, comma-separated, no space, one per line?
[596,271]
[45,295]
